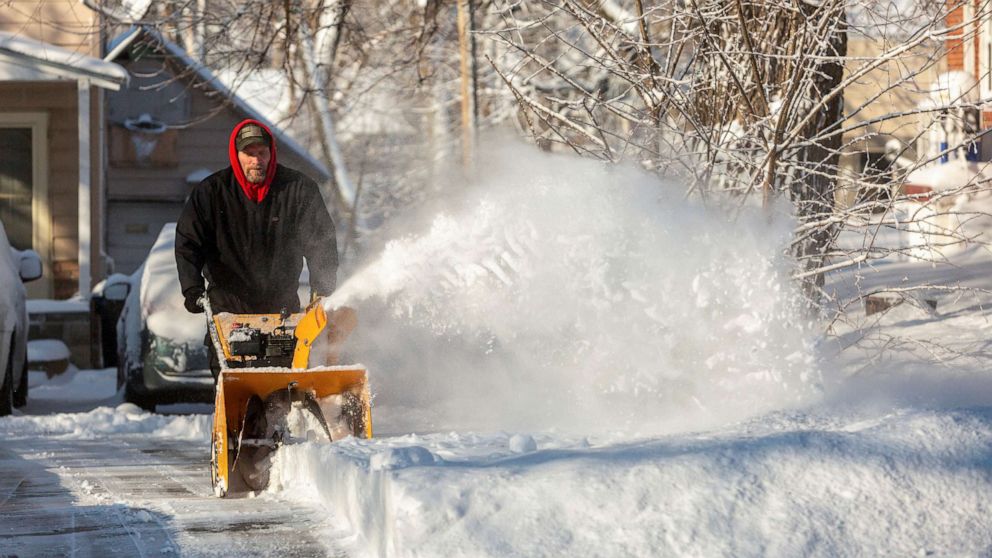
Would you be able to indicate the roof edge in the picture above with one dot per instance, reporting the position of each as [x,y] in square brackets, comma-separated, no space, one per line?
[121,42]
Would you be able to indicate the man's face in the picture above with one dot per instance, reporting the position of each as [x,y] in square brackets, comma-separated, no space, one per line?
[254,161]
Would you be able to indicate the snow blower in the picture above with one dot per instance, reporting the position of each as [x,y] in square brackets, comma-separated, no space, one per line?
[280,383]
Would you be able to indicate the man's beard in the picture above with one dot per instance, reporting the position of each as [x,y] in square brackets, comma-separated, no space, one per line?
[255,175]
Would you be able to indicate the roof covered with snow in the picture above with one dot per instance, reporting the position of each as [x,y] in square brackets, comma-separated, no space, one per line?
[259,110]
[27,59]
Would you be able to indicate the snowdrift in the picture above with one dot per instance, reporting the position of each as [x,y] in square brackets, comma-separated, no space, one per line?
[911,483]
[108,421]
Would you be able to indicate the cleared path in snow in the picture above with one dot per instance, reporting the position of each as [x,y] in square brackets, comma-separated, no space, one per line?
[132,497]
[119,482]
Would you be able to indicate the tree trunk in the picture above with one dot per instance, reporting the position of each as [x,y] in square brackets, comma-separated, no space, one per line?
[813,190]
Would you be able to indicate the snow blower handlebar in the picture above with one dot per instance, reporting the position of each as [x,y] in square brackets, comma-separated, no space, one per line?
[212,328]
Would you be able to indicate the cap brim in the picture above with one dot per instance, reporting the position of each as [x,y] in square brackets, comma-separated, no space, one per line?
[245,143]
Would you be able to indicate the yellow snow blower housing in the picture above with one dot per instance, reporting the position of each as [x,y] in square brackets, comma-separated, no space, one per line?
[280,382]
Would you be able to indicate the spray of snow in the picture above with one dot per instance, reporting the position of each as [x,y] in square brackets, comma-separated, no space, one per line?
[558,293]
[300,424]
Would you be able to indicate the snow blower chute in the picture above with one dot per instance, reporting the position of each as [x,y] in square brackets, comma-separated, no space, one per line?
[280,383]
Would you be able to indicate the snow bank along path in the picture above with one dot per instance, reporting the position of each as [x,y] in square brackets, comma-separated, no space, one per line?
[101,422]
[912,483]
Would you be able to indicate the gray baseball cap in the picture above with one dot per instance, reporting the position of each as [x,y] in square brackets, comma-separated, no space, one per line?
[249,134]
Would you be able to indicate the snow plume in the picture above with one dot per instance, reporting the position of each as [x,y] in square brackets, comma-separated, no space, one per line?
[559,293]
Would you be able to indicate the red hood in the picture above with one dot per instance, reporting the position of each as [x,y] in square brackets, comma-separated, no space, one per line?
[255,192]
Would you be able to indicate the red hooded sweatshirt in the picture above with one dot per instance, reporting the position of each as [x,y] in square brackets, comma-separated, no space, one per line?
[255,192]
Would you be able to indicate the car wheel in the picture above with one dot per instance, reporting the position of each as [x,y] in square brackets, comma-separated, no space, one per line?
[21,395]
[141,400]
[7,387]
[121,378]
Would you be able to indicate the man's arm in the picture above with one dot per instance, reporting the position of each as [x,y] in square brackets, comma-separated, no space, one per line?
[190,240]
[320,246]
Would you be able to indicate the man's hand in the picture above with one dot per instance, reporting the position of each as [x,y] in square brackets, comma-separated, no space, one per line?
[314,296]
[193,296]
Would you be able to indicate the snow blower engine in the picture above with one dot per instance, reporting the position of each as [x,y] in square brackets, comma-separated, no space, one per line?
[254,345]
[280,383]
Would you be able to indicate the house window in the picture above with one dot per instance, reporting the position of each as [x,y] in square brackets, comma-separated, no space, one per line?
[24,180]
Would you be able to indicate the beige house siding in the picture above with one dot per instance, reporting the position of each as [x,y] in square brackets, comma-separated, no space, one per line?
[894,87]
[71,25]
[872,101]
[58,100]
[65,23]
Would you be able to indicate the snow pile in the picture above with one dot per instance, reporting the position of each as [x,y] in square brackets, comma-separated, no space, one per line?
[71,391]
[562,294]
[908,483]
[47,350]
[102,421]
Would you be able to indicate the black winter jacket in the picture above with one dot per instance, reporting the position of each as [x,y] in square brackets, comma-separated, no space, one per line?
[252,253]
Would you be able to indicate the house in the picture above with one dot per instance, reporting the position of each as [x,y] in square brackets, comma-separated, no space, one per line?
[167,130]
[52,86]
[883,122]
[968,48]
[957,88]
[52,92]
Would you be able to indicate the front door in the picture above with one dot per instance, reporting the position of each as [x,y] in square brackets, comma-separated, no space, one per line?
[24,188]
[16,186]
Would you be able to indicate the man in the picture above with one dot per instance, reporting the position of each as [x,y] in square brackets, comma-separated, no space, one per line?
[247,230]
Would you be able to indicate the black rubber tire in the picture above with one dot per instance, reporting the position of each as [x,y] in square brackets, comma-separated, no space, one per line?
[21,394]
[7,387]
[142,401]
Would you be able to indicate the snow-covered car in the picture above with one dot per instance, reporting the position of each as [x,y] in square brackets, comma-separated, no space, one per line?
[161,357]
[16,268]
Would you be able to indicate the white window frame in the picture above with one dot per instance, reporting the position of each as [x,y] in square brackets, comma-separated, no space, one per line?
[41,222]
[968,32]
[984,73]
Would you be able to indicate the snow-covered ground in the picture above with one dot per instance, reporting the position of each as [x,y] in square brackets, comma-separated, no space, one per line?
[85,405]
[904,482]
[570,360]
[111,480]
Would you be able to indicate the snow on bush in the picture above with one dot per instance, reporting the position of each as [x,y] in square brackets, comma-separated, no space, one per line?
[559,293]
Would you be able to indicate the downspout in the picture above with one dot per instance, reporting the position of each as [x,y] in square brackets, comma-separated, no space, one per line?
[83,94]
